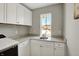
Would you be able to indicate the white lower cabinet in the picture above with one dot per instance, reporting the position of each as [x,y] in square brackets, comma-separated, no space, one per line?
[23,49]
[46,49]
[35,48]
[39,48]
[59,49]
[42,48]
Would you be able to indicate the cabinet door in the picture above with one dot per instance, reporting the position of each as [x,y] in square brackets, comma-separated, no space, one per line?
[30,18]
[46,49]
[20,14]
[27,17]
[35,48]
[2,12]
[11,13]
[59,49]
[23,49]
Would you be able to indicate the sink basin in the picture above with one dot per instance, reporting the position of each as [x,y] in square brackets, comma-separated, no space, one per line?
[43,37]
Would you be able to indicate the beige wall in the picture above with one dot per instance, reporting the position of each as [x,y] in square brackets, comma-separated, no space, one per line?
[57,17]
[71,30]
[13,30]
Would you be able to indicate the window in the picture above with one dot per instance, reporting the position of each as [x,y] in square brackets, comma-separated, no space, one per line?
[45,25]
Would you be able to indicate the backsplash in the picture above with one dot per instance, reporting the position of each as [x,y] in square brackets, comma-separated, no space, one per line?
[13,30]
[57,19]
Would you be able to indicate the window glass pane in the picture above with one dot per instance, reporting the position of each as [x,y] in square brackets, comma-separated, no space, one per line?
[45,25]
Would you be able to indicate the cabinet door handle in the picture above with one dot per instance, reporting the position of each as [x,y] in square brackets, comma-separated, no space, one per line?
[54,48]
[41,46]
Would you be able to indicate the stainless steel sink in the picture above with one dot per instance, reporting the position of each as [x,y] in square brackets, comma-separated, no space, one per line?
[44,38]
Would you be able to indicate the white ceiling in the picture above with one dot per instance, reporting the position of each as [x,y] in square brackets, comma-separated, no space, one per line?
[37,5]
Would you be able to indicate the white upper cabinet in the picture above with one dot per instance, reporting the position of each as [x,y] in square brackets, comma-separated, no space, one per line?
[20,14]
[24,15]
[11,13]
[27,17]
[2,12]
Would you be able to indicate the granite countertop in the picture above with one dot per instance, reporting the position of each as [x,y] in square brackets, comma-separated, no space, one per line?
[9,42]
[6,43]
[25,38]
[21,39]
[52,40]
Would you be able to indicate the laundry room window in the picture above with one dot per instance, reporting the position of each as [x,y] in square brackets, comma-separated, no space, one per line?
[45,25]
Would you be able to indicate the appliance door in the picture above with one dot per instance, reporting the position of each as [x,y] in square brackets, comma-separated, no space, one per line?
[13,51]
